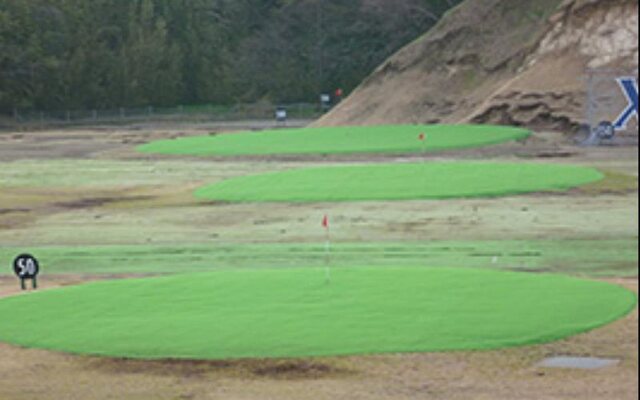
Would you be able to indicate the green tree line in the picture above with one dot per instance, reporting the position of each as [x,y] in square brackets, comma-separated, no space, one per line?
[79,54]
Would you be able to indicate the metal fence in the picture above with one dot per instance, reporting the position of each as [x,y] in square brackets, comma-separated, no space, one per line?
[237,112]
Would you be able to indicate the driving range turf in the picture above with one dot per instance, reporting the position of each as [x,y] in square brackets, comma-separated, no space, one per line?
[584,258]
[400,181]
[273,313]
[339,140]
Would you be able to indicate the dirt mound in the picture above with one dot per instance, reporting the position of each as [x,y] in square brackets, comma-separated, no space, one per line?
[500,61]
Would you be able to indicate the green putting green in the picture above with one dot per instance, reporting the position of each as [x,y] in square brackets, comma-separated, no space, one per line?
[297,313]
[336,140]
[400,182]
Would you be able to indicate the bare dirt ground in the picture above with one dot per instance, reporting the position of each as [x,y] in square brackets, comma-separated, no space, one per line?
[33,213]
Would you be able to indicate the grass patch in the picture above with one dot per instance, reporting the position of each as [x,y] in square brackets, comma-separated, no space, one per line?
[400,182]
[592,258]
[296,313]
[70,173]
[613,183]
[339,140]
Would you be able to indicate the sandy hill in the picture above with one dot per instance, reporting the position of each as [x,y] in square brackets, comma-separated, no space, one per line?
[499,61]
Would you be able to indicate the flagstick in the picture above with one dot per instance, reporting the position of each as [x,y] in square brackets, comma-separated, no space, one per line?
[424,147]
[327,255]
[423,139]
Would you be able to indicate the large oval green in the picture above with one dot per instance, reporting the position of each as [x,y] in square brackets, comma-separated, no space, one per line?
[339,140]
[299,313]
[400,181]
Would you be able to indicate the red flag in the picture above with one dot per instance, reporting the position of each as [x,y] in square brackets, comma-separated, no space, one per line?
[422,137]
[325,222]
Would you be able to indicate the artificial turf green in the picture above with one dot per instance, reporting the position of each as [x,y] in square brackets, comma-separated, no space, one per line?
[400,181]
[296,313]
[337,140]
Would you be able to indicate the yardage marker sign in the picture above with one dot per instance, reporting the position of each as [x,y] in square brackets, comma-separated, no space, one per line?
[26,267]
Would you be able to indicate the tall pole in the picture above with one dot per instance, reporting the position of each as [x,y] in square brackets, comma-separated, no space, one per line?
[590,100]
[320,44]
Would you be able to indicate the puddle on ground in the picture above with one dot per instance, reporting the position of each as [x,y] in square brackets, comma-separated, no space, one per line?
[578,362]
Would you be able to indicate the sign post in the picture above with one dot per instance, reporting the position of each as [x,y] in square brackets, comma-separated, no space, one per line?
[281,115]
[325,102]
[26,267]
